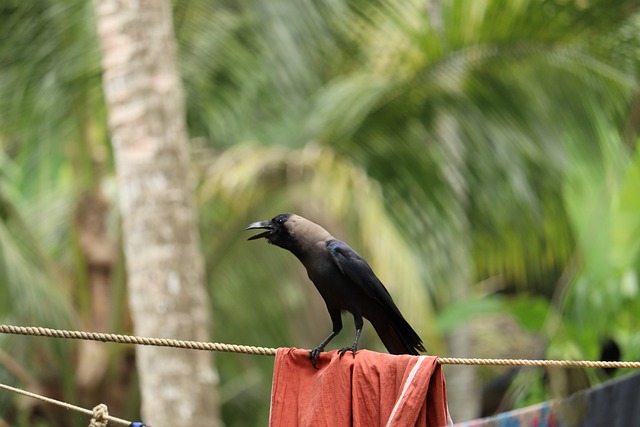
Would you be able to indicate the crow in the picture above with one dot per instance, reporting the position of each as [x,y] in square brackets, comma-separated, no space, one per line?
[345,281]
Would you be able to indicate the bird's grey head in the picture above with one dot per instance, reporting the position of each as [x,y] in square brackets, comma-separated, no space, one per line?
[291,232]
[278,230]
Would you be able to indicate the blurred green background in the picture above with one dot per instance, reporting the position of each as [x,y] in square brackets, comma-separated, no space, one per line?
[481,155]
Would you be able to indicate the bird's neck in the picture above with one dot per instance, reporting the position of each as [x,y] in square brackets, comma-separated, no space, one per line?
[310,252]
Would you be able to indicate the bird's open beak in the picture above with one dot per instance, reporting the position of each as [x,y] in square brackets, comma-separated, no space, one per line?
[260,225]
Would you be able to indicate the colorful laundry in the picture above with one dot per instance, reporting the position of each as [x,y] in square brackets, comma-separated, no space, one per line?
[612,404]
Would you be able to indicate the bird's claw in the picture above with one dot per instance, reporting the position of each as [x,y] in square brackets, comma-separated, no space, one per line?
[315,355]
[352,349]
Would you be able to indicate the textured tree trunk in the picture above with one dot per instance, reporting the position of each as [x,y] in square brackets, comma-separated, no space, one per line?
[164,263]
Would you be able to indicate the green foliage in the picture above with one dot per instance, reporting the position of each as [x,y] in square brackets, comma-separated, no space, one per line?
[604,212]
[463,312]
[491,137]
[530,311]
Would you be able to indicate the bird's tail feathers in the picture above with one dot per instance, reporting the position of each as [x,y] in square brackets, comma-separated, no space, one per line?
[398,336]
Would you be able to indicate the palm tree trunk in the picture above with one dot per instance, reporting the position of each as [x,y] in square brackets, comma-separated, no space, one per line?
[165,267]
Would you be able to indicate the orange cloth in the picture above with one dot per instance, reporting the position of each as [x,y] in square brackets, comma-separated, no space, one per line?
[370,389]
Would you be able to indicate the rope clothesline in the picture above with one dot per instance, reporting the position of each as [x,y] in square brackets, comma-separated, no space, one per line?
[68,405]
[100,414]
[266,351]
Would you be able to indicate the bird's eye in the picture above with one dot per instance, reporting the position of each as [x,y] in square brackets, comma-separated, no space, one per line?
[280,221]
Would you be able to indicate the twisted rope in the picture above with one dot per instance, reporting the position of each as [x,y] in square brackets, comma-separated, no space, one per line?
[543,363]
[130,339]
[96,414]
[99,418]
[265,351]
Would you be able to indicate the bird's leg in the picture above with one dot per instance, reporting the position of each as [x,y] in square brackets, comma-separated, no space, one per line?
[357,317]
[315,353]
[336,320]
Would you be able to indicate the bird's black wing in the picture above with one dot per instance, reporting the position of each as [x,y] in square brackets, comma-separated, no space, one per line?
[352,265]
[392,328]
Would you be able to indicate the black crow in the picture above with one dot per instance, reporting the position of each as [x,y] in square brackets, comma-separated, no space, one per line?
[345,282]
